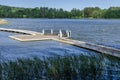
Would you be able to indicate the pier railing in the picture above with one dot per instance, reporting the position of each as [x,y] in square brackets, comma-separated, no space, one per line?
[60,33]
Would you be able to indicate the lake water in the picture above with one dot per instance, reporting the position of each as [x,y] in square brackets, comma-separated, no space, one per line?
[104,32]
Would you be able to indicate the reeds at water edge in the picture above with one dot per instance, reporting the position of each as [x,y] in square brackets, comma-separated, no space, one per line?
[74,67]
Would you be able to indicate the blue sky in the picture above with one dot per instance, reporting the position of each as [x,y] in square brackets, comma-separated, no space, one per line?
[65,4]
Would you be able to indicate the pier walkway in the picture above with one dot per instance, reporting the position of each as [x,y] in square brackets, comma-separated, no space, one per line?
[20,31]
[33,36]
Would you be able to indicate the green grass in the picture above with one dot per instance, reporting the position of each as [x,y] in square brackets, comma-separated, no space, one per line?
[53,68]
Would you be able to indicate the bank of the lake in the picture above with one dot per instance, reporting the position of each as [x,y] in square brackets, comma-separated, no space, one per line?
[3,21]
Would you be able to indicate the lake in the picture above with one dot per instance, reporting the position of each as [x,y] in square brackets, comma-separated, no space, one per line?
[100,31]
[105,32]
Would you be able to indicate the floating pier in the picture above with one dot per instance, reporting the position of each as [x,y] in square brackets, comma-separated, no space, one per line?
[35,36]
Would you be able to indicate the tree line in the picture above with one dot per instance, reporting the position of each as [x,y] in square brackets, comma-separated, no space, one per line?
[45,12]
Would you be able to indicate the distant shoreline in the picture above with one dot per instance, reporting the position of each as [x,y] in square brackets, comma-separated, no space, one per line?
[3,21]
[51,13]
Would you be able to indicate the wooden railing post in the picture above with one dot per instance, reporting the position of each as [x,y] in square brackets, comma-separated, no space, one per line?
[68,33]
[43,31]
[60,33]
[51,31]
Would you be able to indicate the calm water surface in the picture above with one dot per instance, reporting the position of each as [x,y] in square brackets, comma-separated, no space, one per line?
[105,32]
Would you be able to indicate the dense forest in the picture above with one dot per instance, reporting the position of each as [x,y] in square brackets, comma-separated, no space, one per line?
[45,12]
